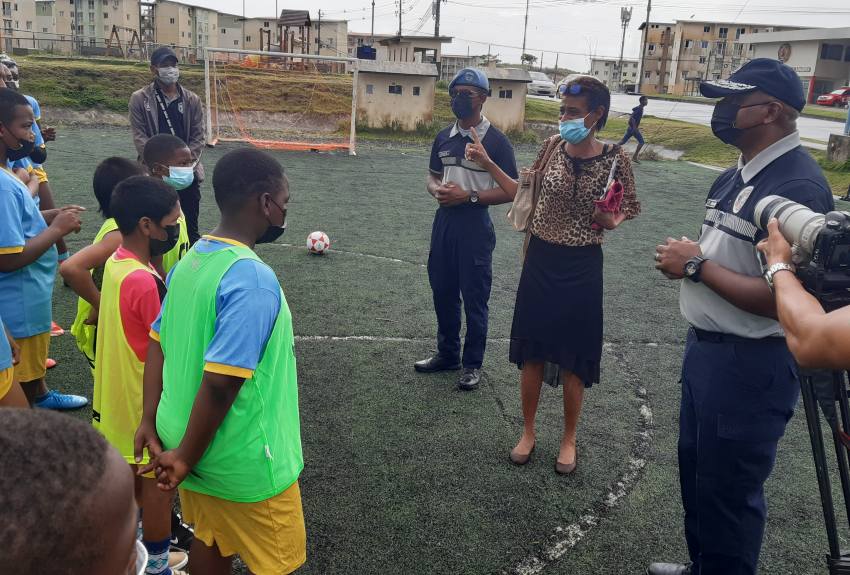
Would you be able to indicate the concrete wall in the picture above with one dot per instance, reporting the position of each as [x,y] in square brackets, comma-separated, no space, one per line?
[381,109]
[506,113]
[334,37]
[230,31]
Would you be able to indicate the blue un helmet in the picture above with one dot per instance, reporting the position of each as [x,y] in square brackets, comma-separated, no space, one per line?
[471,77]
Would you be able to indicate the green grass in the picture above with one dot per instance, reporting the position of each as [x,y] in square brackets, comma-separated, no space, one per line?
[404,474]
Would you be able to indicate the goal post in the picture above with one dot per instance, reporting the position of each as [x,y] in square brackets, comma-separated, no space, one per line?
[278,100]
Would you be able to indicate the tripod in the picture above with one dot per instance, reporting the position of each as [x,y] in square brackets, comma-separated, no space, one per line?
[838,563]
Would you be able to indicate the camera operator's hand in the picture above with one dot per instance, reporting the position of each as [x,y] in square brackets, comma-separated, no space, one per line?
[775,247]
[671,257]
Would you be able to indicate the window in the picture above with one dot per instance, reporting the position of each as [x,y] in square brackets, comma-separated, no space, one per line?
[506,94]
[370,88]
[171,20]
[706,29]
[702,59]
[646,75]
[689,43]
[634,74]
[62,13]
[846,54]
[653,25]
[91,4]
[395,90]
[724,32]
[737,49]
[831,51]
[704,44]
[607,64]
[416,90]
[651,48]
[44,30]
[684,75]
[236,42]
[224,30]
[29,24]
[265,24]
[247,38]
[740,31]
[91,16]
[105,15]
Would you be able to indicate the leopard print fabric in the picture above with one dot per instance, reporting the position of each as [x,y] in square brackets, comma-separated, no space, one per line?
[564,212]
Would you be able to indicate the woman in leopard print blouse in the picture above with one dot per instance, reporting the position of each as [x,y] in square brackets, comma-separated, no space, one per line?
[558,315]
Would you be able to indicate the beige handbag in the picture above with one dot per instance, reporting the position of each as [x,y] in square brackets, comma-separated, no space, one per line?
[528,189]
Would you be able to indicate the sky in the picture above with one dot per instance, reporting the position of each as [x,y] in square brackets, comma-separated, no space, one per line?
[576,29]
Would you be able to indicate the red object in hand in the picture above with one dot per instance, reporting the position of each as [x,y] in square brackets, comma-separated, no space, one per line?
[611,202]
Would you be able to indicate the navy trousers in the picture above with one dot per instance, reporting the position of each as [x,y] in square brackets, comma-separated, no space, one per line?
[460,269]
[737,398]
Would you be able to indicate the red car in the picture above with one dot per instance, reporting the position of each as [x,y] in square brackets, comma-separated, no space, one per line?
[839,98]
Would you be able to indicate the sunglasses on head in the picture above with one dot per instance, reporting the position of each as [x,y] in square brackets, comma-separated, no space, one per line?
[571,89]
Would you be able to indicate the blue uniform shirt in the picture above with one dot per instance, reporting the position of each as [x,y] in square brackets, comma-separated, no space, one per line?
[25,294]
[5,349]
[247,305]
[729,237]
[448,156]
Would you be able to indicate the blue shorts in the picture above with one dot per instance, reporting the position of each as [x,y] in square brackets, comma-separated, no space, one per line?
[632,132]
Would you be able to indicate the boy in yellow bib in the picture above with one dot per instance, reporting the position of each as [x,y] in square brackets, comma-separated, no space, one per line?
[221,391]
[146,212]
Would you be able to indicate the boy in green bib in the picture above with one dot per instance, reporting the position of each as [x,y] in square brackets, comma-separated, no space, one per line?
[220,395]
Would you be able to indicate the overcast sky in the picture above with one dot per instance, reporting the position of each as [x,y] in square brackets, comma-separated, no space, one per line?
[575,28]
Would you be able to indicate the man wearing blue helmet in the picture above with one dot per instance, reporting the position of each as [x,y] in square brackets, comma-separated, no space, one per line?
[462,237]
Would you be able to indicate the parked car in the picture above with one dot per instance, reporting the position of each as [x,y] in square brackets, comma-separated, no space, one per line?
[541,85]
[838,98]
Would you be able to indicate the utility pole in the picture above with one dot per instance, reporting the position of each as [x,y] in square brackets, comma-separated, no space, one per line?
[643,47]
[373,22]
[319,35]
[556,66]
[625,18]
[437,18]
[399,18]
[541,60]
[525,28]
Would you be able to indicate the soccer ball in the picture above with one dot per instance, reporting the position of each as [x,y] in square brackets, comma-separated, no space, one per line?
[318,243]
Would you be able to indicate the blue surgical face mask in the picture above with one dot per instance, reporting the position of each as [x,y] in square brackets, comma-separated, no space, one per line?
[180,177]
[574,131]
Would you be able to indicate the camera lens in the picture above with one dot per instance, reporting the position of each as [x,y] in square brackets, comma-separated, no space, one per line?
[798,224]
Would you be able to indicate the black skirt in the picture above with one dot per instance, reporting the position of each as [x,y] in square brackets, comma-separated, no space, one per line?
[558,312]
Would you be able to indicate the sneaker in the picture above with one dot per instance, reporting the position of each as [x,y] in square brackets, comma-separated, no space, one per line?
[177,560]
[60,401]
[50,363]
[55,330]
[469,379]
[181,534]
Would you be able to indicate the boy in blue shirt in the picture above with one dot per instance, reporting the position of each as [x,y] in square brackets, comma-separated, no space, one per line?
[28,257]
[634,127]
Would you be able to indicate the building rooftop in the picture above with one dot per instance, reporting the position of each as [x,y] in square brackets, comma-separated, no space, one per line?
[797,35]
[399,68]
[294,18]
[718,23]
[387,40]
[508,74]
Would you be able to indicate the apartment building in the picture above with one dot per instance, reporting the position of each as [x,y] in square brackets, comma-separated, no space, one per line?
[605,70]
[678,55]
[19,24]
[333,35]
[451,64]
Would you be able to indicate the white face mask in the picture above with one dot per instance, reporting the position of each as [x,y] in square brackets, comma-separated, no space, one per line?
[169,75]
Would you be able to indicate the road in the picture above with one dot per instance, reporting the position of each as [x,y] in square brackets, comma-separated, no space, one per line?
[811,128]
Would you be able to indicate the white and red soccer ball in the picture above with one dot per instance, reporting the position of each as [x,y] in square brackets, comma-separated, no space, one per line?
[318,243]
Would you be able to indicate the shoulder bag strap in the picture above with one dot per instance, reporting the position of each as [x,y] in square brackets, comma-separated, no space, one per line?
[164,110]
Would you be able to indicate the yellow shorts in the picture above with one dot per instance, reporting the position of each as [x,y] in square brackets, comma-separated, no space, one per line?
[34,351]
[268,535]
[7,376]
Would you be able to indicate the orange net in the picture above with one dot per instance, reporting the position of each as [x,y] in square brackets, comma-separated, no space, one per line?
[280,102]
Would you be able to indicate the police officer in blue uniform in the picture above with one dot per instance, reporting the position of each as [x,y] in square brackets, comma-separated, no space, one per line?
[462,237]
[739,381]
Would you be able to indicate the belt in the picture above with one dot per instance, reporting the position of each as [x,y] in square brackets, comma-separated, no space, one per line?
[718,337]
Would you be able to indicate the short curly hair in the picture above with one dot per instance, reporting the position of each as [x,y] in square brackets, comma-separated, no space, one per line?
[52,467]
[594,92]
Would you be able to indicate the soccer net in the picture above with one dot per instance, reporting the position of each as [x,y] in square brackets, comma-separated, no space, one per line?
[281,101]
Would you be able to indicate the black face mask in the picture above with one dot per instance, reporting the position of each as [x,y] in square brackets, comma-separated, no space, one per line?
[160,247]
[273,232]
[26,148]
[462,106]
[723,122]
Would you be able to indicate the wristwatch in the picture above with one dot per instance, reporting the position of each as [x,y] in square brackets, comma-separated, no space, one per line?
[693,267]
[773,270]
[473,197]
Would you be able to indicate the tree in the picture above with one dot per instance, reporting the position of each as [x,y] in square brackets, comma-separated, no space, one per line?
[529,59]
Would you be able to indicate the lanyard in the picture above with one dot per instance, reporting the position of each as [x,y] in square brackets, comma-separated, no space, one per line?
[164,111]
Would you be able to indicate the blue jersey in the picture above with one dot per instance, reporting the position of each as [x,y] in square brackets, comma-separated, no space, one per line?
[247,305]
[26,293]
[5,349]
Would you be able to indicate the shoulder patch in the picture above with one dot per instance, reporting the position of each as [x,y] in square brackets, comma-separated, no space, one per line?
[742,198]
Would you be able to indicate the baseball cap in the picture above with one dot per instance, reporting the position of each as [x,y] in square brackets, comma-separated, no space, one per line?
[471,77]
[161,54]
[764,74]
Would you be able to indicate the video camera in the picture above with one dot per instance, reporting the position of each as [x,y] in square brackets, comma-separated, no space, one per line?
[821,246]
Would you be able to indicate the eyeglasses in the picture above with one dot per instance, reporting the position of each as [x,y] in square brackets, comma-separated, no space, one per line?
[571,89]
[471,92]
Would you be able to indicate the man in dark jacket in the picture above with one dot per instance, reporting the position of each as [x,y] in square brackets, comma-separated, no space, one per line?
[166,107]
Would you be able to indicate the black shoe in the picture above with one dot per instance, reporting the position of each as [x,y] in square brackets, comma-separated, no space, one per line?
[434,364]
[181,534]
[469,379]
[668,569]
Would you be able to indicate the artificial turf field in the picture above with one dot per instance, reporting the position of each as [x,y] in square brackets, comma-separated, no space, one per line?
[405,474]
